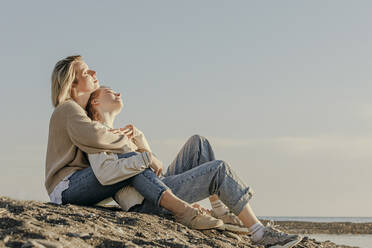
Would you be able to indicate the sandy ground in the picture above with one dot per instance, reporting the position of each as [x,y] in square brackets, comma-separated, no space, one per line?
[41,224]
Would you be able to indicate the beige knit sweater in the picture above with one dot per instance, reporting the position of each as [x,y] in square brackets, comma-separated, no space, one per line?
[71,133]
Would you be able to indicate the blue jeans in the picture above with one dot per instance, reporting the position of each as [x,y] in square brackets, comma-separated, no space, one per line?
[193,176]
[85,189]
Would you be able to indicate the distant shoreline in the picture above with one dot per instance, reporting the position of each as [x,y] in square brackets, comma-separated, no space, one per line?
[321,219]
[324,227]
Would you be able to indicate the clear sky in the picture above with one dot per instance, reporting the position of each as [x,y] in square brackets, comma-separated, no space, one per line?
[282,90]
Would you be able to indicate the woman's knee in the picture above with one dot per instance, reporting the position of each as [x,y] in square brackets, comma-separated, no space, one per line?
[223,165]
[196,138]
[220,166]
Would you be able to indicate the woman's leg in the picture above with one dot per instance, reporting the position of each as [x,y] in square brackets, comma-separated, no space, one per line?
[85,189]
[196,151]
[213,177]
[189,173]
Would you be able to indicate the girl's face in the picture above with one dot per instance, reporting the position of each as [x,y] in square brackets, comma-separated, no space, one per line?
[87,81]
[109,101]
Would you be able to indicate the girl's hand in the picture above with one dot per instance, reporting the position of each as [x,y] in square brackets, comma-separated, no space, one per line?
[142,150]
[156,165]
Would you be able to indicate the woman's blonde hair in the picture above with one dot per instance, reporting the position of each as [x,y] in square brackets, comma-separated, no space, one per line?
[63,76]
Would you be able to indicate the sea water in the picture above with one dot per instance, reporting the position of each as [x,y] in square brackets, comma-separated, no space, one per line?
[359,240]
[318,219]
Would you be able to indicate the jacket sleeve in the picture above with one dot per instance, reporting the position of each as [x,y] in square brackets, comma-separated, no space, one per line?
[110,170]
[140,140]
[90,136]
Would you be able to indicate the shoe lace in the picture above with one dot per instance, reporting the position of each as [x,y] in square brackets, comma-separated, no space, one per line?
[232,218]
[273,228]
[201,212]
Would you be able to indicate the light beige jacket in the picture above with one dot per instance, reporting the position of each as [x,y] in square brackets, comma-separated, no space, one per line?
[109,169]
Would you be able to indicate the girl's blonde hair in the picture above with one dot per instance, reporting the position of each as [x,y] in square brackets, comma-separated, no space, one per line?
[63,76]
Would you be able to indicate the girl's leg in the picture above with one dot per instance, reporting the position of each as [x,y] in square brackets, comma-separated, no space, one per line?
[160,199]
[158,196]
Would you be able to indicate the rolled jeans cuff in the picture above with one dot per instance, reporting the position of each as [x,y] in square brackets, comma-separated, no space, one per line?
[149,186]
[240,204]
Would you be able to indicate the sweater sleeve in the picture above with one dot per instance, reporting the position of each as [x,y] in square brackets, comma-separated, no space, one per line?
[110,170]
[90,136]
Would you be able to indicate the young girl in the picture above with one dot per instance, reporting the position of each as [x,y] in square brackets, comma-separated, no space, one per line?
[193,175]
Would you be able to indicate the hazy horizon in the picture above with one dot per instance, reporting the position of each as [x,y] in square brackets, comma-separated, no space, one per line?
[281,89]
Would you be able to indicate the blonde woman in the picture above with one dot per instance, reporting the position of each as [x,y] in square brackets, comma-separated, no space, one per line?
[69,177]
[194,174]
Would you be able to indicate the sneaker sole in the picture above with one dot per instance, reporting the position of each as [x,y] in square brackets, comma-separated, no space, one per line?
[236,229]
[210,227]
[288,245]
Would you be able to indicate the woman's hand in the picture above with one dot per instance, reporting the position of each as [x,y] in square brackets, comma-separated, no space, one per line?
[128,130]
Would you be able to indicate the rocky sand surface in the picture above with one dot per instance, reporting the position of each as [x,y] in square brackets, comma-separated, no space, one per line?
[47,225]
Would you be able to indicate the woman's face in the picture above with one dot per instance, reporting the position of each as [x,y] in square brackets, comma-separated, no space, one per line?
[87,81]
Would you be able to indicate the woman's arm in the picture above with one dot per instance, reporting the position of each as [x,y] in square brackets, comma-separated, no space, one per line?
[90,136]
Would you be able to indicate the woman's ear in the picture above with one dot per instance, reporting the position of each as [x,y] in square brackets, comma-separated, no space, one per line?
[73,91]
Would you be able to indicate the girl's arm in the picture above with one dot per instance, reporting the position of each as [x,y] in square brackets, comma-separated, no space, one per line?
[140,140]
[110,170]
